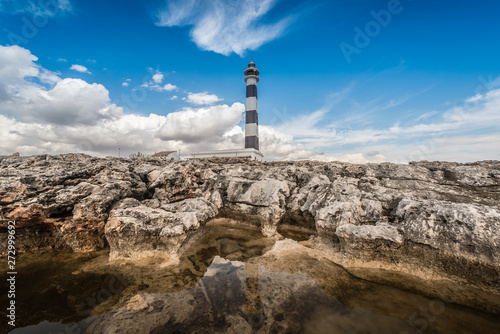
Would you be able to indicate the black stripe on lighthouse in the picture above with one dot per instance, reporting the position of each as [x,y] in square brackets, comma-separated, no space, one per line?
[251,117]
[252,91]
[252,142]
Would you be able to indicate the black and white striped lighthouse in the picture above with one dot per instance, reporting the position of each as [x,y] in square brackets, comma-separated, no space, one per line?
[251,149]
[252,118]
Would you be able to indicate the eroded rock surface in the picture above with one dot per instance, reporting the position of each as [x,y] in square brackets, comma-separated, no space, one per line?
[139,231]
[431,219]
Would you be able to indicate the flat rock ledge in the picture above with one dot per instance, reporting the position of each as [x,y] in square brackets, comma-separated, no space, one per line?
[436,220]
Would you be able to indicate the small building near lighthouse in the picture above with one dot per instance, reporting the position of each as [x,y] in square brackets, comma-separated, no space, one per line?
[251,149]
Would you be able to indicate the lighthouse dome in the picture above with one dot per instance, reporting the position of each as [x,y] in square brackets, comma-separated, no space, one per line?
[252,70]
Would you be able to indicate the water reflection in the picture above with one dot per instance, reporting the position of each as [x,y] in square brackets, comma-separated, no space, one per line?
[230,280]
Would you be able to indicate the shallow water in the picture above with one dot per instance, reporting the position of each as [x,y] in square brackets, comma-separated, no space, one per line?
[226,283]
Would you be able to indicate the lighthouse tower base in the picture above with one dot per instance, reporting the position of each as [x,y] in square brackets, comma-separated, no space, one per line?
[251,153]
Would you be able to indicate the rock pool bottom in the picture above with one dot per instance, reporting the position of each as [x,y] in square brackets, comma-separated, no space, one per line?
[229,280]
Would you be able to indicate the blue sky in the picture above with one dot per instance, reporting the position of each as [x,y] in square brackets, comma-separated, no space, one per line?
[350,80]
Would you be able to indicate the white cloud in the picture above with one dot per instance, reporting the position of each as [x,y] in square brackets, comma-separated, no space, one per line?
[155,83]
[224,27]
[52,100]
[166,88]
[62,60]
[126,83]
[41,8]
[79,68]
[130,132]
[16,63]
[277,145]
[174,97]
[70,101]
[196,125]
[158,78]
[203,98]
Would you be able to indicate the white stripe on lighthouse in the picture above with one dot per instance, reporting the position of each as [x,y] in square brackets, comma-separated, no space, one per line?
[251,103]
[251,81]
[251,130]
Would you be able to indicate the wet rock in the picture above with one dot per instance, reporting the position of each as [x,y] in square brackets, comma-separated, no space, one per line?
[237,297]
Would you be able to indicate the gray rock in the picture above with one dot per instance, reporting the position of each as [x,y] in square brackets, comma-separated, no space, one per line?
[138,231]
[425,217]
[363,233]
[456,228]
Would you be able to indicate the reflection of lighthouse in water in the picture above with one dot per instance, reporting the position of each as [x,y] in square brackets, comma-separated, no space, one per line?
[253,306]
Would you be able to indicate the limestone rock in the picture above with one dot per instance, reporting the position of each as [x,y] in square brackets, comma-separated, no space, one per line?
[138,231]
[364,233]
[455,228]
[439,217]
[263,198]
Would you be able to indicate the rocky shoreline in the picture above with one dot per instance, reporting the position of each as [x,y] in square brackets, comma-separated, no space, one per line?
[435,221]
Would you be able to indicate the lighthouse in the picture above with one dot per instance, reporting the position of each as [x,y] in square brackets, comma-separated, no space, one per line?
[252,116]
[251,149]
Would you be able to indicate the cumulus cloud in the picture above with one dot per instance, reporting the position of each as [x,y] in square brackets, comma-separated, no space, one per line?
[203,98]
[62,60]
[280,146]
[224,26]
[16,65]
[166,88]
[192,125]
[157,88]
[132,133]
[158,77]
[31,93]
[79,68]
[155,83]
[71,101]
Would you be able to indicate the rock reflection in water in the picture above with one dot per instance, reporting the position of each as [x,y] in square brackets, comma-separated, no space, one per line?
[234,297]
[232,279]
[51,291]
